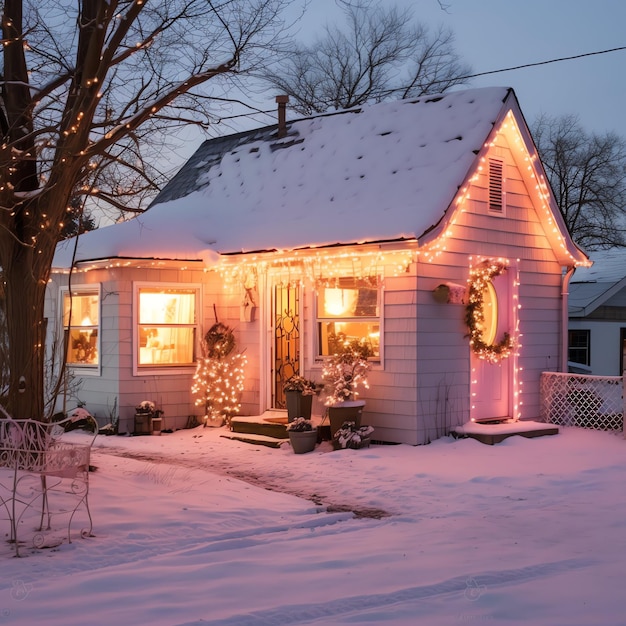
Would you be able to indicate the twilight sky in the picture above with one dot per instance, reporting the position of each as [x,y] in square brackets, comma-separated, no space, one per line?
[494,34]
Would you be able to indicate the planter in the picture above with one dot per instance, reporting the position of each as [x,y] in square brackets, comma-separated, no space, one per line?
[298,405]
[348,411]
[303,441]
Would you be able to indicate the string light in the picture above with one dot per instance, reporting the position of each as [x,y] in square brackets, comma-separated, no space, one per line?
[479,279]
[316,267]
[218,384]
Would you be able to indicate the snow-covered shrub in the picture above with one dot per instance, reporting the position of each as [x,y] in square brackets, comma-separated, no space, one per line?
[349,436]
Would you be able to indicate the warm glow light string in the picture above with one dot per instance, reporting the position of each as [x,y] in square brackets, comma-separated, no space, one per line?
[217,385]
[320,267]
[480,276]
[219,378]
[508,135]
[517,369]
[509,347]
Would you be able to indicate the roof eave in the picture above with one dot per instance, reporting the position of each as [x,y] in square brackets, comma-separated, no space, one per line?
[602,298]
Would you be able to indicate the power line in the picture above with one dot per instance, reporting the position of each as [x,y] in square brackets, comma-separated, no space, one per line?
[477,75]
[520,67]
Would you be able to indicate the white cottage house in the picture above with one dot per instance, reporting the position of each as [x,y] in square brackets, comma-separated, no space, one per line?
[597,315]
[425,226]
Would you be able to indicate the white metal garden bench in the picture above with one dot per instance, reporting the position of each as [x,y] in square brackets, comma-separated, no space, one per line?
[44,473]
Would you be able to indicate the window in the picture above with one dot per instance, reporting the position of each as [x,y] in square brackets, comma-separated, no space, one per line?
[167,326]
[81,324]
[348,309]
[579,346]
[490,314]
[496,186]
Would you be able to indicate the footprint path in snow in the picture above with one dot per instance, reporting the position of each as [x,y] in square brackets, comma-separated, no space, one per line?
[253,478]
[292,614]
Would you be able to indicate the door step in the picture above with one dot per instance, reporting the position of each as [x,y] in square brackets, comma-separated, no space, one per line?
[257,440]
[259,427]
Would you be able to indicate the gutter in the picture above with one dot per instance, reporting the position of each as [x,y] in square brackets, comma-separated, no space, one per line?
[565,317]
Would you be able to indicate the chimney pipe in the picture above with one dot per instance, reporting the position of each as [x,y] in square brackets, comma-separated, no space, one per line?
[282,115]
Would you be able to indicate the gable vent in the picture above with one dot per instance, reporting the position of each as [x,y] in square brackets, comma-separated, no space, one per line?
[496,169]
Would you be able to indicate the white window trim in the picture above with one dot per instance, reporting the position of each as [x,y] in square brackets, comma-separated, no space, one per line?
[82,370]
[317,358]
[163,370]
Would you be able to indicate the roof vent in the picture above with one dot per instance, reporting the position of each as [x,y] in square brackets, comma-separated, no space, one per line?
[282,115]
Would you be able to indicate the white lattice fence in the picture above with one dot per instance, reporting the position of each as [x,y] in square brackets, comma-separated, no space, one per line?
[581,400]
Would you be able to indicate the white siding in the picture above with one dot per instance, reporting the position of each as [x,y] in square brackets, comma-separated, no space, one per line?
[443,350]
[422,386]
[604,343]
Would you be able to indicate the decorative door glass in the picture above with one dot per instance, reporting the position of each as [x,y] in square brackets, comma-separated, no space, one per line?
[286,340]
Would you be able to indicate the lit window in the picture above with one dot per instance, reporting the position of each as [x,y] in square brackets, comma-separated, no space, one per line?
[490,314]
[167,326]
[579,346]
[81,323]
[348,309]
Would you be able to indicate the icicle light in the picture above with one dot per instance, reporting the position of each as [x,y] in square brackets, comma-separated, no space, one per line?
[319,267]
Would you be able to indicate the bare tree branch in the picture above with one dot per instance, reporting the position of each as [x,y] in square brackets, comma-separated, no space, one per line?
[588,177]
[85,86]
[380,54]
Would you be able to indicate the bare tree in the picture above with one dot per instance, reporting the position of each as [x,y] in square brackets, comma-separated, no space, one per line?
[588,177]
[381,54]
[4,343]
[80,81]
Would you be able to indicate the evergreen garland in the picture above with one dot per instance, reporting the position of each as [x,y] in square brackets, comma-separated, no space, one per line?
[480,276]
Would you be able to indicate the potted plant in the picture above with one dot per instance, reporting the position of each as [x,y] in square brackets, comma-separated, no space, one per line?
[302,435]
[299,395]
[349,435]
[148,419]
[344,373]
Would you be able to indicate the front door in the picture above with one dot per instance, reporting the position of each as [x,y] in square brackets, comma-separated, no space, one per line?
[286,307]
[491,381]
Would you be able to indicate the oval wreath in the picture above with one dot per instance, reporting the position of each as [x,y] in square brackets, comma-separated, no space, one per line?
[480,276]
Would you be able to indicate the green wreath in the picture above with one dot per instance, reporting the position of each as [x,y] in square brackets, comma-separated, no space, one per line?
[480,276]
[220,341]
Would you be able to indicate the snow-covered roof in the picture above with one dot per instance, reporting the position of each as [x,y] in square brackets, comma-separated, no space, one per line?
[378,173]
[591,286]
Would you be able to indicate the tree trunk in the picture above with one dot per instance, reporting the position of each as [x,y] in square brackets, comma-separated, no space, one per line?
[25,297]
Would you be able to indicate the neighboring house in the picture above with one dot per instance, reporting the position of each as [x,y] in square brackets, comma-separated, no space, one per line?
[375,223]
[597,315]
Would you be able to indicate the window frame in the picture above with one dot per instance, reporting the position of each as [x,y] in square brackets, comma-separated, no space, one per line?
[165,368]
[622,351]
[587,347]
[87,289]
[318,320]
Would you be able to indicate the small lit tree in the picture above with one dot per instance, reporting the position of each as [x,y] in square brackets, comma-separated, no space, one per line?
[219,377]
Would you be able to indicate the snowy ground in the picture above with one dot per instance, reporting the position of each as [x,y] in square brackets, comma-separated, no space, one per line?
[193,528]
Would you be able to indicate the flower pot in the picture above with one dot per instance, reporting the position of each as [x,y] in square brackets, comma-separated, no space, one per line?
[303,441]
[298,405]
[348,411]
